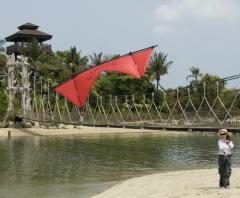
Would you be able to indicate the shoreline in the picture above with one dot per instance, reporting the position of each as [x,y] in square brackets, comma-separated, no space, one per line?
[81,130]
[201,183]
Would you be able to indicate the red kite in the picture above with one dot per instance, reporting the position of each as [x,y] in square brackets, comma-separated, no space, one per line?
[77,89]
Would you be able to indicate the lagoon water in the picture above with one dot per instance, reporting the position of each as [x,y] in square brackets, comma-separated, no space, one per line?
[81,166]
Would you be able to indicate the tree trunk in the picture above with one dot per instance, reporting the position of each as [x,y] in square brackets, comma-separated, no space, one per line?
[157,84]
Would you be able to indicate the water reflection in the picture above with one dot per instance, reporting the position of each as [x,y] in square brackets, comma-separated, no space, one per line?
[81,166]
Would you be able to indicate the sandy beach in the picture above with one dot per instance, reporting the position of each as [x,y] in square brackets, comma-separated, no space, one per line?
[181,184]
[79,130]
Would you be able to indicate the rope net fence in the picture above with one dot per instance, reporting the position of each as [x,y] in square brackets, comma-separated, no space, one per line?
[207,105]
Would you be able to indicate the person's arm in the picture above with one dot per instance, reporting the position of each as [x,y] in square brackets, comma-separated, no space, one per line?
[220,145]
[231,145]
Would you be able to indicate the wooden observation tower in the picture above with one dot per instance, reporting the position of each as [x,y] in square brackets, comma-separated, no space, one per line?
[26,34]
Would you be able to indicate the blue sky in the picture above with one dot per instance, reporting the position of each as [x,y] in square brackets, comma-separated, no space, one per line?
[200,33]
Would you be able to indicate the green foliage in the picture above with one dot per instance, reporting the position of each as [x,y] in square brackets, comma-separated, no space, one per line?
[97,59]
[195,74]
[3,105]
[3,60]
[118,84]
[57,67]
[75,61]
[210,82]
[159,65]
[32,50]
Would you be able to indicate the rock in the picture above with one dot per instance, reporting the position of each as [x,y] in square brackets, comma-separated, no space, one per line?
[5,124]
[11,124]
[60,126]
[26,125]
[68,126]
[78,126]
[35,124]
[52,127]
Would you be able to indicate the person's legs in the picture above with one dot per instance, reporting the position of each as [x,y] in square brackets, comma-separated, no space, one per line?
[228,171]
[221,169]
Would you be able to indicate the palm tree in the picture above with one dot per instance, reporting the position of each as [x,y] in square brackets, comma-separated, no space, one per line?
[96,59]
[159,65]
[72,56]
[195,73]
[75,60]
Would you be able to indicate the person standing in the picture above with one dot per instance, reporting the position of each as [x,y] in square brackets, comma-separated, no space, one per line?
[224,159]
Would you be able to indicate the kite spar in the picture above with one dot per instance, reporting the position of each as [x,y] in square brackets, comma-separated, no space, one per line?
[76,90]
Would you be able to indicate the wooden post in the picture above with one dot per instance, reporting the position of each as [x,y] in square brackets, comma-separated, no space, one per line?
[9,134]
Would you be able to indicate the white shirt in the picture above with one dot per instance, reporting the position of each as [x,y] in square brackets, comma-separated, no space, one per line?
[224,148]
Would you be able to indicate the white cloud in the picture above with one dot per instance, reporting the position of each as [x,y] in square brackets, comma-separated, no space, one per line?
[162,28]
[188,12]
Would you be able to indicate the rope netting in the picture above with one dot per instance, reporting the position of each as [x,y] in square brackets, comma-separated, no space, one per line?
[205,105]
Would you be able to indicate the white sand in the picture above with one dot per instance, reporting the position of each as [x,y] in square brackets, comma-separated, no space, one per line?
[181,184]
[81,130]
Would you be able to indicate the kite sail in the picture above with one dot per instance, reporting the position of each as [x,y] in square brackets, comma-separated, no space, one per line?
[76,90]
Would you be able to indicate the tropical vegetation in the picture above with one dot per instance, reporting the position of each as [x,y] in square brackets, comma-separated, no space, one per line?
[57,67]
[159,66]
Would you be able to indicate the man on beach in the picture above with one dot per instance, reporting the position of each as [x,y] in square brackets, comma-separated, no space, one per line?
[224,159]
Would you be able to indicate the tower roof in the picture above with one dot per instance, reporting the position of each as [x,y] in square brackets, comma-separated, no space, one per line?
[27,32]
[29,26]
